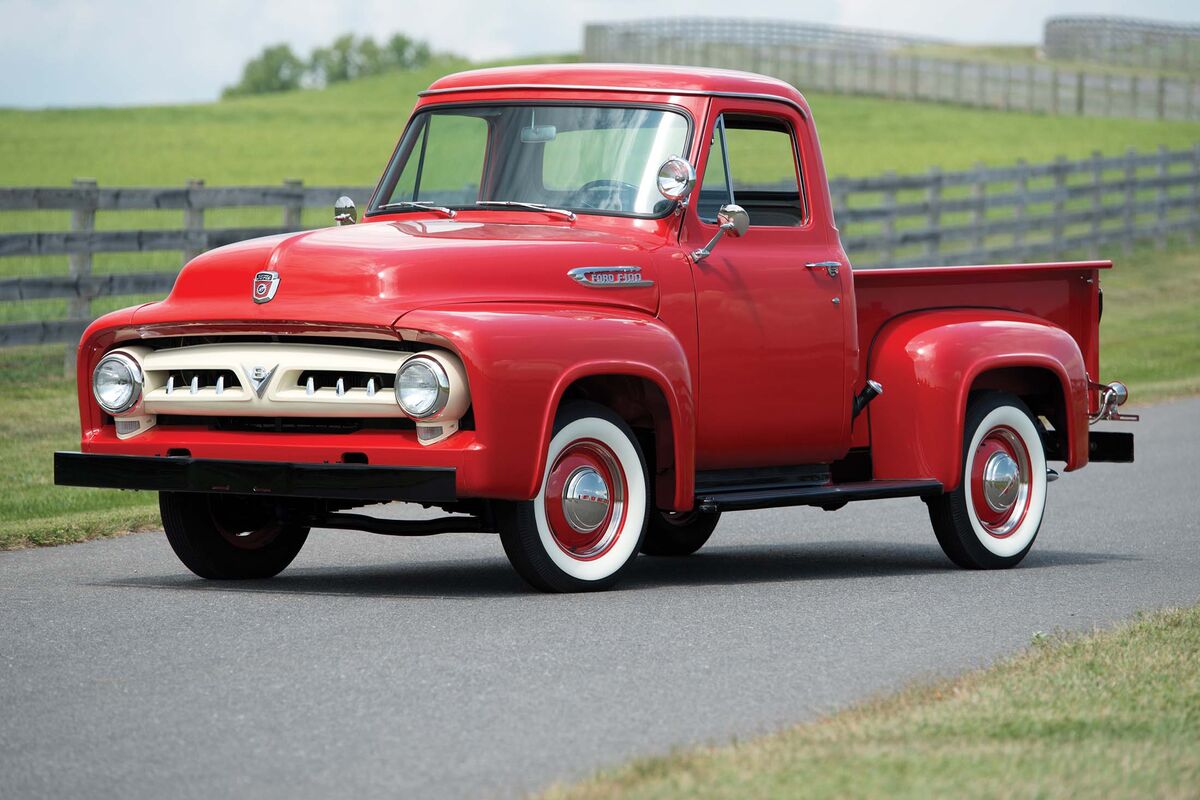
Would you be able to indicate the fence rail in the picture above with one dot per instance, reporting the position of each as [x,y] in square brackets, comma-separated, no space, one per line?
[978,215]
[1031,87]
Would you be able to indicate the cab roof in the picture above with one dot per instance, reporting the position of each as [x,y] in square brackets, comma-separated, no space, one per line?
[619,77]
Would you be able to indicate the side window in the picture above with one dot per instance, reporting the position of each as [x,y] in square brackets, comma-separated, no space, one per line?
[753,163]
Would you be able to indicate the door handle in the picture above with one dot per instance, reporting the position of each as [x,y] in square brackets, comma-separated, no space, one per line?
[831,267]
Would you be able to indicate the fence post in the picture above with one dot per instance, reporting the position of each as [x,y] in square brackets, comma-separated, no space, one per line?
[1189,102]
[1020,207]
[889,219]
[1060,198]
[1160,211]
[1134,84]
[1008,82]
[1130,215]
[1097,202]
[1054,91]
[79,265]
[193,219]
[293,212]
[1080,96]
[1160,97]
[979,212]
[933,197]
[958,81]
[1194,195]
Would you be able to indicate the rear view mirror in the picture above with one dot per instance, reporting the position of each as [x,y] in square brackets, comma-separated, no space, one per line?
[536,134]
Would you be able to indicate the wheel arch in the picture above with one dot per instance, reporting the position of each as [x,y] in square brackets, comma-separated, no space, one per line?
[931,362]
[641,396]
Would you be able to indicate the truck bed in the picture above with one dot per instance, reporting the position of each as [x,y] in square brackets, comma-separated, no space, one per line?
[1065,294]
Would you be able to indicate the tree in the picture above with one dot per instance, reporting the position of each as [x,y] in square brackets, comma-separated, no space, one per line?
[336,63]
[406,53]
[276,69]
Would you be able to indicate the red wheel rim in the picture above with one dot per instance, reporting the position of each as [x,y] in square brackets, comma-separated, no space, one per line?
[244,525]
[1000,476]
[584,499]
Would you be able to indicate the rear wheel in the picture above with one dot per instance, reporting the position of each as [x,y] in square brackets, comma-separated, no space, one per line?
[678,534]
[992,518]
[225,537]
[583,529]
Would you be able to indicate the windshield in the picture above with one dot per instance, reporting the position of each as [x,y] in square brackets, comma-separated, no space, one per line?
[588,159]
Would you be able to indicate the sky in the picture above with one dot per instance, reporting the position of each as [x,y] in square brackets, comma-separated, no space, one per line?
[138,52]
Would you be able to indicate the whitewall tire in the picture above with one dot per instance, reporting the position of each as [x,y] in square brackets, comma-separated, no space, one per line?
[585,526]
[991,520]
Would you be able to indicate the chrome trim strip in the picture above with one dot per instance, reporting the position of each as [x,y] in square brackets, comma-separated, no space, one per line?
[583,275]
[567,87]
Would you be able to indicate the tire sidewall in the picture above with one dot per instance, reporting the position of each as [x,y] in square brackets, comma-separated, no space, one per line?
[1002,410]
[596,423]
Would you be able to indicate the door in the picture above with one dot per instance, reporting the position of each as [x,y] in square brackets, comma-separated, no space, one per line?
[772,387]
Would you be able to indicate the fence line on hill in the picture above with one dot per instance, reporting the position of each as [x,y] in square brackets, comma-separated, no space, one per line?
[979,215]
[1031,87]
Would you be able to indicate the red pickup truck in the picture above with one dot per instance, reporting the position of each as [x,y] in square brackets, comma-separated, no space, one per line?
[547,325]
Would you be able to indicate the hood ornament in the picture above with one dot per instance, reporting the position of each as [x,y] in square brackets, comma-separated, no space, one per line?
[265,285]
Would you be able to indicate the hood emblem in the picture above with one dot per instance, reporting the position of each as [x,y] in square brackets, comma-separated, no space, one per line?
[265,285]
[259,376]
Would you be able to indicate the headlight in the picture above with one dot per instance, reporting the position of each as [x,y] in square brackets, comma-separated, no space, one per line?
[117,383]
[422,387]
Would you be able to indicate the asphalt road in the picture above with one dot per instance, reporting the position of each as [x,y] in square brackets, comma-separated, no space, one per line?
[414,668]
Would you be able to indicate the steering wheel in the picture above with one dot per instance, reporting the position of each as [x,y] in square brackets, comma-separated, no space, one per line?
[609,195]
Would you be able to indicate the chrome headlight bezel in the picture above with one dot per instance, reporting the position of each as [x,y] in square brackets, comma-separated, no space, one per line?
[136,378]
[441,379]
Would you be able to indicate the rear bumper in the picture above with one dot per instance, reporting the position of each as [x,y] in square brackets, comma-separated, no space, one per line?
[359,482]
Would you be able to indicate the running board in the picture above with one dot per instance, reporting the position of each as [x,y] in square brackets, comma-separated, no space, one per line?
[829,496]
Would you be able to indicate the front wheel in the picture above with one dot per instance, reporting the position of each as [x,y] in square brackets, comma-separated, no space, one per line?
[585,526]
[992,518]
[226,537]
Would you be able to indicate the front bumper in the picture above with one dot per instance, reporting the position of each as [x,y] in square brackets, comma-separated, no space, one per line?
[359,482]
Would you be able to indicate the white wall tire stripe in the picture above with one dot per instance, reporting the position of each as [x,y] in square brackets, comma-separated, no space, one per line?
[626,543]
[1023,534]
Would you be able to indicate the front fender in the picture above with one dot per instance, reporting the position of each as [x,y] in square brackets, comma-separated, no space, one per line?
[928,361]
[521,358]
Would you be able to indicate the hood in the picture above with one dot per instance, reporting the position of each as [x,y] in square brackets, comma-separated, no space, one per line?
[374,272]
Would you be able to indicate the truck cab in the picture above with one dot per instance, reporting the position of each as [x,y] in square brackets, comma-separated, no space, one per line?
[590,308]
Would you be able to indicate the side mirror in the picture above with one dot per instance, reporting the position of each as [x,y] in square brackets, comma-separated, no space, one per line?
[344,211]
[732,220]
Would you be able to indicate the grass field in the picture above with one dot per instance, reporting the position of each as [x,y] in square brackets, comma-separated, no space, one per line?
[1114,714]
[344,134]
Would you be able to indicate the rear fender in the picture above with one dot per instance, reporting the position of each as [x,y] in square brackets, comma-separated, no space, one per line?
[522,358]
[928,362]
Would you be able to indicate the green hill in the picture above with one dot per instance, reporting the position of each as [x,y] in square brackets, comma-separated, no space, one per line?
[345,133]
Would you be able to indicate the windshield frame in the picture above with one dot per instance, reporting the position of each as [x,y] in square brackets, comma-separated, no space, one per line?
[391,173]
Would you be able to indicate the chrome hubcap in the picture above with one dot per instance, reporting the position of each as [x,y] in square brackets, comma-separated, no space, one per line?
[585,500]
[1001,481]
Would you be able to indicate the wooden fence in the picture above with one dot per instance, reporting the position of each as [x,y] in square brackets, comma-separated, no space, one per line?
[1097,205]
[1126,41]
[1032,87]
[84,199]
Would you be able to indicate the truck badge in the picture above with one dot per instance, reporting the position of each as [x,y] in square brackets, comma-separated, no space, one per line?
[609,277]
[259,376]
[265,284]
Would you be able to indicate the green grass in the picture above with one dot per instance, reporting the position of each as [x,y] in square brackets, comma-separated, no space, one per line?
[38,415]
[1114,714]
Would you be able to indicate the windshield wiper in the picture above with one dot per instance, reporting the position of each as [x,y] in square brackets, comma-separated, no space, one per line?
[531,206]
[417,205]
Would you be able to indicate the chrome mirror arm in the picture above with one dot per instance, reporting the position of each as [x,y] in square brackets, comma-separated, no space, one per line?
[706,251]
